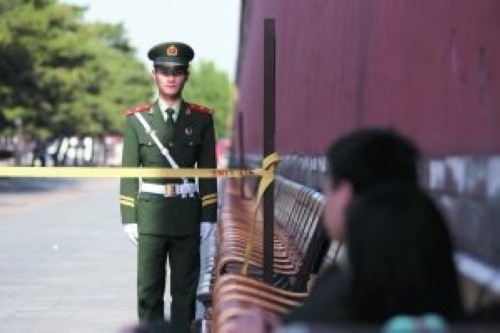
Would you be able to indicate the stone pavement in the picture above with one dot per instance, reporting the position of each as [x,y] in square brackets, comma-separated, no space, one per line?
[65,264]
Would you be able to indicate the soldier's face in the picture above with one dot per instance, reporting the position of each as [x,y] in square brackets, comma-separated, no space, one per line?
[170,80]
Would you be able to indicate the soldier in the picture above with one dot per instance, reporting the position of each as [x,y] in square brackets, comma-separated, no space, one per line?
[167,217]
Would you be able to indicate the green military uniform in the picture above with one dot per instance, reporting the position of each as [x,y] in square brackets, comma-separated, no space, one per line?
[168,223]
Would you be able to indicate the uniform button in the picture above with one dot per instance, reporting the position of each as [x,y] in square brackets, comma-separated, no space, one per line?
[190,143]
[150,143]
[170,144]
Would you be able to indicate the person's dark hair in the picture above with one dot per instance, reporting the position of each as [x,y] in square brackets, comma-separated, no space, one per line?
[400,255]
[373,156]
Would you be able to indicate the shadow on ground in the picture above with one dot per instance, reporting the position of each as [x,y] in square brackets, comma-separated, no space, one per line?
[27,185]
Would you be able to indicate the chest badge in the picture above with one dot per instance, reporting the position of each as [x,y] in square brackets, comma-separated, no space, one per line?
[188,131]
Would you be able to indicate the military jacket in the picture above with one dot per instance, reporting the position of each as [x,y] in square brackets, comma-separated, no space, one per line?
[192,145]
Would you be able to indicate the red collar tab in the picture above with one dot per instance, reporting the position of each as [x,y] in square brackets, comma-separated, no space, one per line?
[140,108]
[200,108]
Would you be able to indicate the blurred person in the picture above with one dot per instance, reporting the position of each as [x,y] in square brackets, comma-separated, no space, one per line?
[357,162]
[40,153]
[400,257]
[400,268]
[167,217]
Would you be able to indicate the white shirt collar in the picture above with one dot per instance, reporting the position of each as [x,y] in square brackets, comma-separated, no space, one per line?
[164,106]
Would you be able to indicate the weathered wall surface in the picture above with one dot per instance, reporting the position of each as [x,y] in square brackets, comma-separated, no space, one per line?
[430,69]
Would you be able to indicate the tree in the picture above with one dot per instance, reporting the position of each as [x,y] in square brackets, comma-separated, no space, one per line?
[209,86]
[62,76]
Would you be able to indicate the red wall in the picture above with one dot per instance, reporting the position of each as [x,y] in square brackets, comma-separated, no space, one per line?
[430,69]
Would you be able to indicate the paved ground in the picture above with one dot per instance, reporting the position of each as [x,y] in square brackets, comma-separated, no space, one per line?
[65,264]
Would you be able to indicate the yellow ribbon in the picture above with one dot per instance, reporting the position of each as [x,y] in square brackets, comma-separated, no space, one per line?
[112,172]
[266,172]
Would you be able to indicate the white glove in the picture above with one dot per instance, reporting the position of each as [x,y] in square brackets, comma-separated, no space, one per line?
[131,230]
[205,230]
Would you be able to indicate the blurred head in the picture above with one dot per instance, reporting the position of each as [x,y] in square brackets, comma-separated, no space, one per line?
[360,161]
[400,256]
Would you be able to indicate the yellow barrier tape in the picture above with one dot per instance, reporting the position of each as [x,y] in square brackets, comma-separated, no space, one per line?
[113,172]
[266,172]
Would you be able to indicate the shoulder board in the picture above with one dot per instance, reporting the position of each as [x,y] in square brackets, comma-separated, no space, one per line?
[140,108]
[200,108]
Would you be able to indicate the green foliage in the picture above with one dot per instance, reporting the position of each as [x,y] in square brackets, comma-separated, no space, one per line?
[62,76]
[211,87]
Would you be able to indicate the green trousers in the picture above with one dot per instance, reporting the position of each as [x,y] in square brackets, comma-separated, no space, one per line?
[184,257]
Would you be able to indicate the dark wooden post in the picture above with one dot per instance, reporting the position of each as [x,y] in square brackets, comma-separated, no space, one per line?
[269,145]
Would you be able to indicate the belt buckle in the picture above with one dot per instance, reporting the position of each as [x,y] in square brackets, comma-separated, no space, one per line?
[169,190]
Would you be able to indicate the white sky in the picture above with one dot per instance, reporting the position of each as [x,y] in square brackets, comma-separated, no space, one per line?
[211,27]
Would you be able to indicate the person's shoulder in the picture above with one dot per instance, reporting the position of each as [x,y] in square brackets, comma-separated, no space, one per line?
[332,272]
[140,108]
[200,109]
[327,302]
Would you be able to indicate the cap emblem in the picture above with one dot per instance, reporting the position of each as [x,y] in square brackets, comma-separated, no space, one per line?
[172,51]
